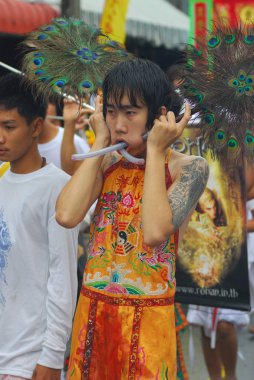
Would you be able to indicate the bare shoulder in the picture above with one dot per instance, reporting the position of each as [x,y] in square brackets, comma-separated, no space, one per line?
[195,165]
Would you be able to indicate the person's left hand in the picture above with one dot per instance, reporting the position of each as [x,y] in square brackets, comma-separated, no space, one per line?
[46,373]
[73,113]
[83,121]
[166,130]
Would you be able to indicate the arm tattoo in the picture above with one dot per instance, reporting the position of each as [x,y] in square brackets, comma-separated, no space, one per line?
[189,188]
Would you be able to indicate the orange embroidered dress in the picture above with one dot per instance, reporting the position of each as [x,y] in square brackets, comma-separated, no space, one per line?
[124,326]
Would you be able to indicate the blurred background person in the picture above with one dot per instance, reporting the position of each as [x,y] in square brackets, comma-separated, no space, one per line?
[51,137]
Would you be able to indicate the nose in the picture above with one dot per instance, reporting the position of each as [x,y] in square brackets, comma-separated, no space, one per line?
[2,138]
[120,124]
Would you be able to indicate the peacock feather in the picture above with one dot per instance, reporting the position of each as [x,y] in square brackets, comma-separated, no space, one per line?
[219,84]
[69,56]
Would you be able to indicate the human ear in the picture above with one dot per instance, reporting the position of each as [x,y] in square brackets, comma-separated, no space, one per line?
[163,111]
[37,126]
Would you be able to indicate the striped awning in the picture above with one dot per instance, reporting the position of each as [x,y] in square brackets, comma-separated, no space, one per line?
[18,17]
[155,21]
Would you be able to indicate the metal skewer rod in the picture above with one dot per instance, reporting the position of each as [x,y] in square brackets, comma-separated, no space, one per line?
[16,71]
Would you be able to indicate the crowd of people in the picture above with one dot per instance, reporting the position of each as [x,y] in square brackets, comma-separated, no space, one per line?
[124,325]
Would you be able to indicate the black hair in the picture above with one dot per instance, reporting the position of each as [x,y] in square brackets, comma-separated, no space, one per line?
[58,102]
[175,72]
[14,93]
[144,81]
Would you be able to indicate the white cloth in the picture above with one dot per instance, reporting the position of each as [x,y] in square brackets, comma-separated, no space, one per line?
[251,283]
[250,235]
[38,275]
[202,316]
[52,149]
[250,248]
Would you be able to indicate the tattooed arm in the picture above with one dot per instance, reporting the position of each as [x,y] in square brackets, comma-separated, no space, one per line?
[165,212]
[157,221]
[185,192]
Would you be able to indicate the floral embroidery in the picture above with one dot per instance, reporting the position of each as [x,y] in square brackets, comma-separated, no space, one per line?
[115,288]
[127,200]
[100,260]
[5,246]
[116,237]
[101,221]
[106,212]
[162,257]
[151,261]
[81,340]
[164,274]
[101,237]
[108,200]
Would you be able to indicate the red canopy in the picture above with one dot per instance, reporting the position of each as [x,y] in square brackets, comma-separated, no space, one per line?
[17,17]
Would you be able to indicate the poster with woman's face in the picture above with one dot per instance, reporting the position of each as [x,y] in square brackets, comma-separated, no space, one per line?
[212,264]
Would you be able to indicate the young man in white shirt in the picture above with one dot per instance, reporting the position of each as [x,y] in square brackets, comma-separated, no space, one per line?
[38,278]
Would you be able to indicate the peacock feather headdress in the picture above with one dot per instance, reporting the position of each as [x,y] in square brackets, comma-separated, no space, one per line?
[219,83]
[69,56]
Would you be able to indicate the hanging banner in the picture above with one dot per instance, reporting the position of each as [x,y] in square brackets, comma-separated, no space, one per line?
[200,13]
[113,19]
[212,267]
[233,11]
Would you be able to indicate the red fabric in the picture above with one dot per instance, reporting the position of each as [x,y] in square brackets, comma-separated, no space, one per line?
[234,10]
[18,17]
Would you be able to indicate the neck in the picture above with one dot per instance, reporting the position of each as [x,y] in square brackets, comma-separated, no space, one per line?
[28,163]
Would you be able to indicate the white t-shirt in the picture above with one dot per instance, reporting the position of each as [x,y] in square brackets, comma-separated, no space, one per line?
[38,276]
[52,149]
[250,235]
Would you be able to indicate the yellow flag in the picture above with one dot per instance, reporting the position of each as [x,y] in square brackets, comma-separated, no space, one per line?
[3,168]
[114,18]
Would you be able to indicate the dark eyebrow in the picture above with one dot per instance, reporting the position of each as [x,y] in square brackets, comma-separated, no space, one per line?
[122,107]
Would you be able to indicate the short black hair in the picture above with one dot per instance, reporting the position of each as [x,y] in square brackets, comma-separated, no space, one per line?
[176,72]
[141,80]
[14,93]
[58,102]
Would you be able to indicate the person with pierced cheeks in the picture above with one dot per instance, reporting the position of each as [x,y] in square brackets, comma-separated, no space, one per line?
[124,326]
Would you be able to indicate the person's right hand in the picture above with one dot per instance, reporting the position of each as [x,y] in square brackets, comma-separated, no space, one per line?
[98,124]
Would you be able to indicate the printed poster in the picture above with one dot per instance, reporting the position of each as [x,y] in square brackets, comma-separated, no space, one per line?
[212,267]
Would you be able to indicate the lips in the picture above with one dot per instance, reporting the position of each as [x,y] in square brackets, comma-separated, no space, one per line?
[3,151]
[121,141]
